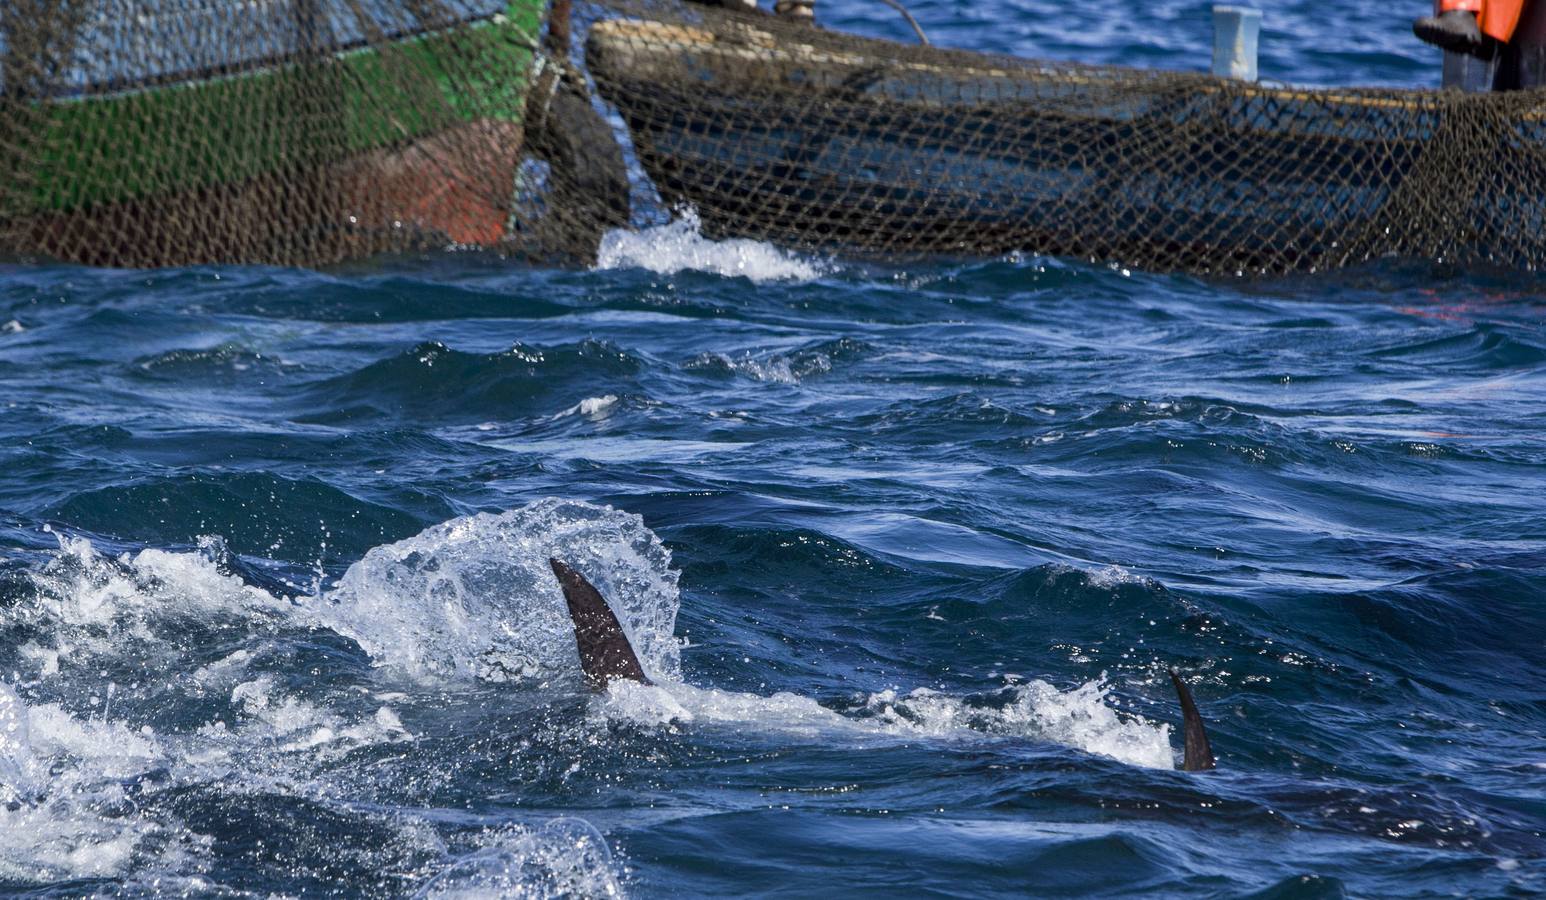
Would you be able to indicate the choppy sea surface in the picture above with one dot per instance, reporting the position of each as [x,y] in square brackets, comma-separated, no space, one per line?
[908,552]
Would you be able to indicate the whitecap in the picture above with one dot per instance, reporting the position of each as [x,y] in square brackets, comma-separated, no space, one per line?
[591,406]
[60,788]
[1080,718]
[680,245]
[19,771]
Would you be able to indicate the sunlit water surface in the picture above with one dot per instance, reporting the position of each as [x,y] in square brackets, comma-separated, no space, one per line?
[908,552]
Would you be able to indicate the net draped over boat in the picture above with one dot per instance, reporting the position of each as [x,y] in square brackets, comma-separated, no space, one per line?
[307,131]
[293,132]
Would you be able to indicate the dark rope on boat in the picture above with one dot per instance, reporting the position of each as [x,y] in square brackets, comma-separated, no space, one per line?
[559,28]
[917,29]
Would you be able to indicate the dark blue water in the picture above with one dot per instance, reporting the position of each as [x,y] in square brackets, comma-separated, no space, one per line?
[908,551]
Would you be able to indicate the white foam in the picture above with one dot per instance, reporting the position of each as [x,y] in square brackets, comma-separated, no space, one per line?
[680,245]
[224,671]
[470,599]
[564,857]
[290,724]
[90,612]
[12,327]
[1080,718]
[59,841]
[130,597]
[475,598]
[67,810]
[671,704]
[61,774]
[19,770]
[590,406]
[46,659]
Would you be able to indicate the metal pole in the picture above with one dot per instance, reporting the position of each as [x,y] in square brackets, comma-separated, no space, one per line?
[1236,30]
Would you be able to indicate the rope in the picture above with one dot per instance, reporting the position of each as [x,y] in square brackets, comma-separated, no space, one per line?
[917,29]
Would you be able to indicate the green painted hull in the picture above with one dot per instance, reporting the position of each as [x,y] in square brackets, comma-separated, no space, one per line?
[272,133]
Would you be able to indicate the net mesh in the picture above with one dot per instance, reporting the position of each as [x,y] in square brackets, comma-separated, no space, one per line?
[303,132]
[170,132]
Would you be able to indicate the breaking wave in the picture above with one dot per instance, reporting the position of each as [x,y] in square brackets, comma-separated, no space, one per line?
[143,676]
[1080,718]
[680,246]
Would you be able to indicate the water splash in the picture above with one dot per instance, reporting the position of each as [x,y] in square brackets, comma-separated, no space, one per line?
[19,771]
[565,857]
[475,599]
[680,245]
[591,407]
[64,810]
[90,610]
[1081,718]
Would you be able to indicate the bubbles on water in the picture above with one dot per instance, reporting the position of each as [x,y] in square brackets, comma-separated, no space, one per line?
[1114,575]
[475,598]
[1080,718]
[89,794]
[564,857]
[290,724]
[90,605]
[680,245]
[19,772]
[65,810]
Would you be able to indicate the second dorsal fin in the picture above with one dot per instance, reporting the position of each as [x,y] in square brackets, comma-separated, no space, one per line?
[1198,755]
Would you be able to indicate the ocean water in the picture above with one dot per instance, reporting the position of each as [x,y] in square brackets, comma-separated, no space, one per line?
[908,552]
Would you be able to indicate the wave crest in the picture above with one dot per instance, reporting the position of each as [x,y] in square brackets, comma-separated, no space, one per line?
[680,245]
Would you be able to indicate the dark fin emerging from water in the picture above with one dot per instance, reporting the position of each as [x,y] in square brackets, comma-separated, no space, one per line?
[1199,756]
[605,653]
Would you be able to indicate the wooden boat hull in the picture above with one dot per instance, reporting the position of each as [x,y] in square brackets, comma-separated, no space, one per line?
[363,150]
[800,144]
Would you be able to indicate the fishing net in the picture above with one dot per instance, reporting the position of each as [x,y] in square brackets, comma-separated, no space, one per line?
[295,132]
[307,131]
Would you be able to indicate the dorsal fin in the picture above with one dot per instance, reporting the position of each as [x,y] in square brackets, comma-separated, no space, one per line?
[605,653]
[1198,755]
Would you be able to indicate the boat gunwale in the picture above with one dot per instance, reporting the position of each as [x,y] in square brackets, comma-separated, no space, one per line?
[648,37]
[509,33]
[110,89]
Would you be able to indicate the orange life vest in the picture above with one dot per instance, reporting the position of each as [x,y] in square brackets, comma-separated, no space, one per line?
[1498,18]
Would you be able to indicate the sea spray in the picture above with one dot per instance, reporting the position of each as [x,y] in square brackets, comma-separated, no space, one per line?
[1081,718]
[680,246]
[563,857]
[19,771]
[475,598]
